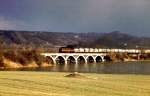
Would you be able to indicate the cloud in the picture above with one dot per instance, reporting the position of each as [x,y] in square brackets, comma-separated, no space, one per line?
[13,24]
[130,16]
[7,24]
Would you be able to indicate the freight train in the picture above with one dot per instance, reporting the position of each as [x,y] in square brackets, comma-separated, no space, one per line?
[100,50]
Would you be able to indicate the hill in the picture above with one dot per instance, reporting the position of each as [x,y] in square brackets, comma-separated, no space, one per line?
[121,40]
[56,39]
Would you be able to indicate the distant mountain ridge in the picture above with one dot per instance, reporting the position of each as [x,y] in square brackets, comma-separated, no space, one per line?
[122,40]
[53,39]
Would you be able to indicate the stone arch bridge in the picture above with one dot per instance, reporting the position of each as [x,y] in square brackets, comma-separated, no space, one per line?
[76,58]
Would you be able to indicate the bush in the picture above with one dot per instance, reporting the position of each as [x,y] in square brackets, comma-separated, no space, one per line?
[1,61]
[24,57]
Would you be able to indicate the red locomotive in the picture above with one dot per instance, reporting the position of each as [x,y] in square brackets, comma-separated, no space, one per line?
[67,49]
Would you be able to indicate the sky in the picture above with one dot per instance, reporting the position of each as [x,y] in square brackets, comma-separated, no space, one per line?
[127,16]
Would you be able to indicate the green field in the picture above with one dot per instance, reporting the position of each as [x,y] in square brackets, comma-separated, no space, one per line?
[55,84]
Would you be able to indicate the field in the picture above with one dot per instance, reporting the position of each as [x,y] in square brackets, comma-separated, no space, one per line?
[14,83]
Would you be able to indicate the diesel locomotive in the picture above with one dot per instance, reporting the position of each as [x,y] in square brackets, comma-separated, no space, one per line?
[67,49]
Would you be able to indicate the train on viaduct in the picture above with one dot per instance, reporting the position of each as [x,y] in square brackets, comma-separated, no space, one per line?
[87,55]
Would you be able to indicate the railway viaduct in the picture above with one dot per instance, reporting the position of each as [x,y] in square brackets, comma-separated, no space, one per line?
[85,55]
[76,58]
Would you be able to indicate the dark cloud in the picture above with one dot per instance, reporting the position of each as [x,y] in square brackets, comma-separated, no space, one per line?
[130,16]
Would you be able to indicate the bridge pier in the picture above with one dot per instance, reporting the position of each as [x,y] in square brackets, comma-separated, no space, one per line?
[95,61]
[76,60]
[54,62]
[86,62]
[138,56]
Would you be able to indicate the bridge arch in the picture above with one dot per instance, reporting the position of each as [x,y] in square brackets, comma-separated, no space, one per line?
[60,60]
[81,60]
[49,60]
[90,59]
[71,60]
[98,59]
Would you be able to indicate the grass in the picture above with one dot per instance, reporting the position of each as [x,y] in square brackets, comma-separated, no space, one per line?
[14,83]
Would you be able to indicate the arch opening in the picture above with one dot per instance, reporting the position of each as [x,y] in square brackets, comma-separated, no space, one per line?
[90,59]
[81,60]
[98,59]
[71,60]
[60,60]
[49,60]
